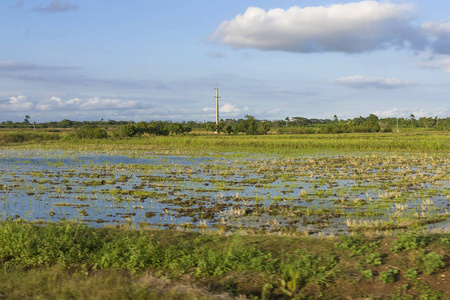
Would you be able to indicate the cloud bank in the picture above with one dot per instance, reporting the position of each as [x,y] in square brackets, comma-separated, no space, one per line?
[349,28]
[364,82]
[15,103]
[95,103]
[228,109]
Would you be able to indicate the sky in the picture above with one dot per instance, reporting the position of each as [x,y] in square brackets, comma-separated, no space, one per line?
[144,60]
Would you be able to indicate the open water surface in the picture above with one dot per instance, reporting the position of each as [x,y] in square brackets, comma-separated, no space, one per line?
[329,194]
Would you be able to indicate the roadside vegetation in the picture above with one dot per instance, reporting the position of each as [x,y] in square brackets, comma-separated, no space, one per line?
[72,261]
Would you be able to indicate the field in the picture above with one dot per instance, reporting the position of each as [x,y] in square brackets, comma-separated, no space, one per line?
[204,216]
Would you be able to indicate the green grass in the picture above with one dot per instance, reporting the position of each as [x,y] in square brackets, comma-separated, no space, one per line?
[89,263]
[194,143]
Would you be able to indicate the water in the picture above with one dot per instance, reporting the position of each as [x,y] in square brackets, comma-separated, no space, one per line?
[329,194]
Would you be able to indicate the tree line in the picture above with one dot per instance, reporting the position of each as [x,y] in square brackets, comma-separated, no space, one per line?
[248,125]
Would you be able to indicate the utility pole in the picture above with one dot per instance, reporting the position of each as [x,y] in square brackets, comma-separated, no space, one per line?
[217,110]
[397,123]
[217,105]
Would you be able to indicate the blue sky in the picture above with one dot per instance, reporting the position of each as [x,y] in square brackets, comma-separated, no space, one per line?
[161,60]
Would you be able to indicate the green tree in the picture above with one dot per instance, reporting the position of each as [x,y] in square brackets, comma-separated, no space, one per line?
[127,130]
[65,123]
[413,120]
[176,128]
[26,121]
[250,125]
[264,127]
[229,129]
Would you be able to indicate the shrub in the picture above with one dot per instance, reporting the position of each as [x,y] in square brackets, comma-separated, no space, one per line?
[127,130]
[91,132]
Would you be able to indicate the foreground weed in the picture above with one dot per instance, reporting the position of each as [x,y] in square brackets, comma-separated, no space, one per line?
[389,275]
[27,245]
[367,273]
[411,274]
[427,292]
[360,246]
[432,262]
[409,241]
[296,272]
[373,259]
[402,293]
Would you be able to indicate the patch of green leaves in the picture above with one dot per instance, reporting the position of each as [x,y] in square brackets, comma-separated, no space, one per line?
[409,241]
[432,262]
[389,275]
[297,271]
[411,274]
[373,259]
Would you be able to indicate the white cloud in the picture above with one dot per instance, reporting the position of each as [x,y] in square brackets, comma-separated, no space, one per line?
[228,109]
[51,104]
[402,113]
[16,103]
[352,28]
[95,103]
[363,82]
[98,104]
[391,113]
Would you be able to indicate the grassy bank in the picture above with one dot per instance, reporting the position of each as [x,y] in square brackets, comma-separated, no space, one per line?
[192,143]
[114,263]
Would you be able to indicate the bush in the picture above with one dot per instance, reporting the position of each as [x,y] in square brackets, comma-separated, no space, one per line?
[127,130]
[26,137]
[91,132]
[158,128]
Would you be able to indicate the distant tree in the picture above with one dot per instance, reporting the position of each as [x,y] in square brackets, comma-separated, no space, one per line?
[26,121]
[65,123]
[219,127]
[413,120]
[159,128]
[229,129]
[176,128]
[250,125]
[127,130]
[141,128]
[264,127]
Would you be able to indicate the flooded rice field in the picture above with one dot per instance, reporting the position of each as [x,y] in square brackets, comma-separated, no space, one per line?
[318,194]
